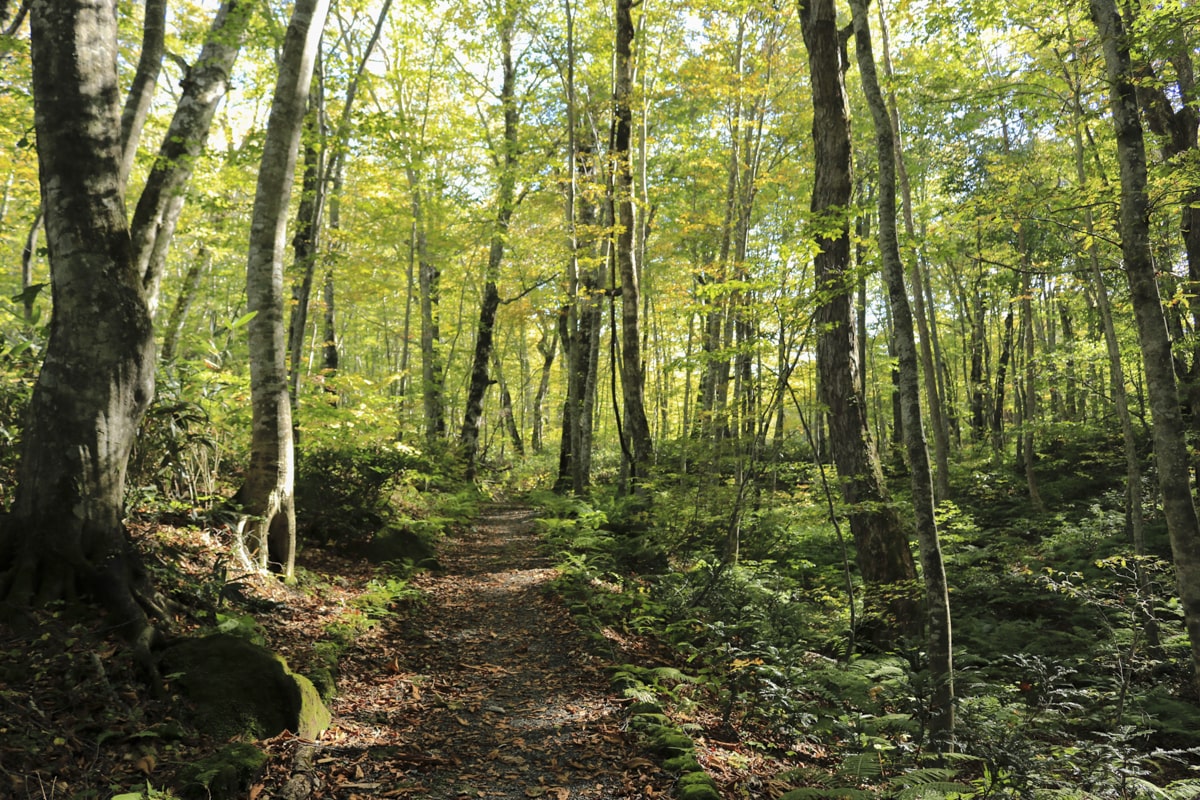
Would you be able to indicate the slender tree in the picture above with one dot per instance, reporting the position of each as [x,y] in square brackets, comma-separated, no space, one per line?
[1170,447]
[505,164]
[937,596]
[267,494]
[636,442]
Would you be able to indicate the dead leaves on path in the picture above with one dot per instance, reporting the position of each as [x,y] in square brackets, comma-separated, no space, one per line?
[487,691]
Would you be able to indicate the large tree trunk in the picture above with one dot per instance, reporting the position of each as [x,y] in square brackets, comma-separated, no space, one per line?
[267,494]
[636,445]
[883,554]
[1170,446]
[941,711]
[65,536]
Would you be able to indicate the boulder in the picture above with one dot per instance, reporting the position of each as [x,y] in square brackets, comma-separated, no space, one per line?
[238,688]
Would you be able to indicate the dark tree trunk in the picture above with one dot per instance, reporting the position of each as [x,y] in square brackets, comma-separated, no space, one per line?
[305,241]
[637,444]
[64,536]
[1006,345]
[506,163]
[937,597]
[1170,446]
[883,554]
[506,406]
[428,280]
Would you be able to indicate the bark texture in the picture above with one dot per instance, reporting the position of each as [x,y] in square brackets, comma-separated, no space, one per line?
[267,494]
[65,536]
[1170,447]
[883,555]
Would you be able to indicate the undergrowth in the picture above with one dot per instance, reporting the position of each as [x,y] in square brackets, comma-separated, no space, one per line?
[1072,663]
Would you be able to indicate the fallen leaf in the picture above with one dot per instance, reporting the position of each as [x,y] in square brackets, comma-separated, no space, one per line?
[146,764]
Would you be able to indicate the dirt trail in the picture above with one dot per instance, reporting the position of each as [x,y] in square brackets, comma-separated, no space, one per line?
[486,690]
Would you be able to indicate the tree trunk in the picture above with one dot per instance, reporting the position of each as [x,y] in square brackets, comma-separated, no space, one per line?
[506,406]
[548,347]
[941,710]
[506,163]
[267,495]
[183,303]
[145,80]
[1006,345]
[306,240]
[1170,446]
[883,554]
[330,355]
[64,535]
[637,445]
[1030,388]
[428,282]
[161,202]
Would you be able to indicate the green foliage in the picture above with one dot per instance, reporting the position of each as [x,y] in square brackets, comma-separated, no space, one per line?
[344,493]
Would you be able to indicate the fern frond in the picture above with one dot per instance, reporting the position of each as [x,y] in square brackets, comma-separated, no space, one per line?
[828,794]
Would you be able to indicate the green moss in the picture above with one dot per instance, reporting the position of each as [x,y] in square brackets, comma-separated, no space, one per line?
[685,764]
[697,778]
[697,792]
[226,774]
[237,688]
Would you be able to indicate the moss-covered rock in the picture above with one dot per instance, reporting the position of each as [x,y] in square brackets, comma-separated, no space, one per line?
[697,791]
[400,545]
[225,775]
[237,688]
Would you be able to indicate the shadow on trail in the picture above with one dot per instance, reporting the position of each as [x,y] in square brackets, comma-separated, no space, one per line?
[486,690]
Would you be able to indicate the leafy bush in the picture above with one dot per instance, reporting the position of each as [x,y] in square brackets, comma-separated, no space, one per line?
[343,494]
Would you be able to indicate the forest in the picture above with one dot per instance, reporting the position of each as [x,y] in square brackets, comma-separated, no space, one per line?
[544,398]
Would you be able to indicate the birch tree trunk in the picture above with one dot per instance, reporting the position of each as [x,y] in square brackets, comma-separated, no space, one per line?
[1170,447]
[267,494]
[162,199]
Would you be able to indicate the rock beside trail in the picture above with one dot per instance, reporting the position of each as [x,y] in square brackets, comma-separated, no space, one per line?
[239,689]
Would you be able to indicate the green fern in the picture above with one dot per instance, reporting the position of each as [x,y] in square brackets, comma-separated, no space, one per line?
[862,766]
[828,794]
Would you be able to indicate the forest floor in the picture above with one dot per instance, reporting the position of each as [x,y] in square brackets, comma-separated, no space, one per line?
[485,689]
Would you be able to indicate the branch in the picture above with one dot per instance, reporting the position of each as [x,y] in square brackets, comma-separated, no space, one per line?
[530,290]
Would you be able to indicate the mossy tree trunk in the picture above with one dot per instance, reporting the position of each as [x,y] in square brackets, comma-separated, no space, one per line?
[64,536]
